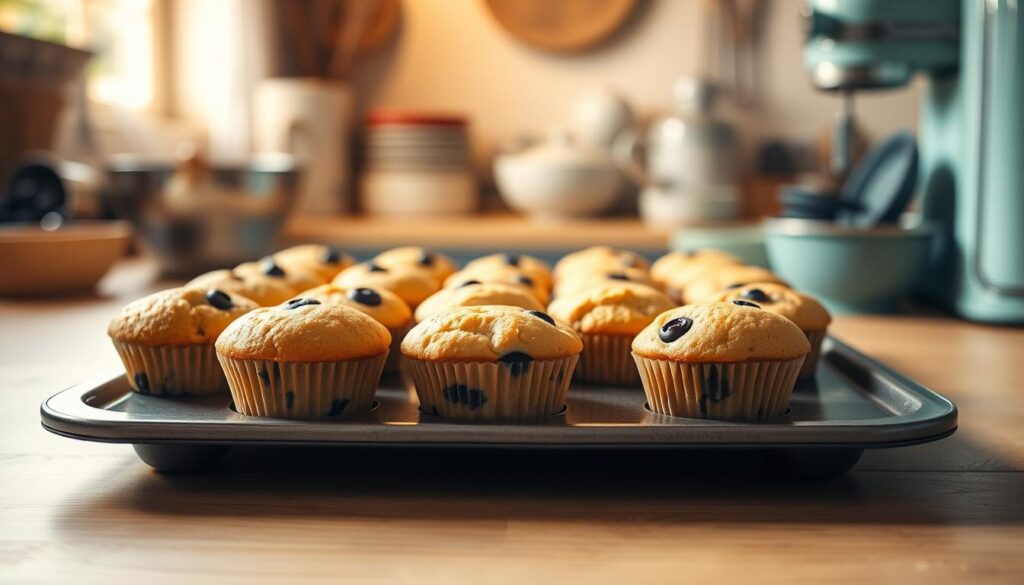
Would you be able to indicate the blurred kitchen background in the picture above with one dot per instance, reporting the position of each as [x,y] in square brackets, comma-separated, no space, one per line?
[221,130]
[168,73]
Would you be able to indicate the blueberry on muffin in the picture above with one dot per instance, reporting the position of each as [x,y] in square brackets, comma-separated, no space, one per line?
[299,278]
[586,279]
[666,270]
[599,258]
[436,264]
[266,291]
[502,275]
[323,260]
[535,268]
[724,277]
[412,285]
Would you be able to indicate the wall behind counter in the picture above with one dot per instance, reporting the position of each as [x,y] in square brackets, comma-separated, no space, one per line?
[452,55]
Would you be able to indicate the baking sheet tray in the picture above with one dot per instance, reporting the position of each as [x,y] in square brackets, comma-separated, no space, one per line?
[853,403]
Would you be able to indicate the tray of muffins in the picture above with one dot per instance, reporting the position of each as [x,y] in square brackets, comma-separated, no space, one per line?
[604,350]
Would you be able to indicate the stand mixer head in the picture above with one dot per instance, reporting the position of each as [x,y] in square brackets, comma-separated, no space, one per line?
[971,128]
[867,45]
[855,45]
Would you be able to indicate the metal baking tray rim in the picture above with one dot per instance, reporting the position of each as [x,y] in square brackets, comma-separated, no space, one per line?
[477,445]
[928,416]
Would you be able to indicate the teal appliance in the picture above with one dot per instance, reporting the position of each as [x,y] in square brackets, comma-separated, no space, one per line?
[971,132]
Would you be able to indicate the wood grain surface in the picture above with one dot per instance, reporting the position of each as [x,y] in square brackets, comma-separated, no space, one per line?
[495,231]
[74,512]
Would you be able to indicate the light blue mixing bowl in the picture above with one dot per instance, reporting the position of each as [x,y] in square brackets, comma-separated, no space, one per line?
[851,270]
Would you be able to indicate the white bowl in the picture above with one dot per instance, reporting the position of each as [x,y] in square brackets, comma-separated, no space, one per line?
[554,189]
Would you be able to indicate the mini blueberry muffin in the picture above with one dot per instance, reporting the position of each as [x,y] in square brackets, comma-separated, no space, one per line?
[607,319]
[473,294]
[264,290]
[725,277]
[803,310]
[726,361]
[166,339]
[664,268]
[436,264]
[324,261]
[303,359]
[491,363]
[383,305]
[586,278]
[599,258]
[299,278]
[411,284]
[503,275]
[534,268]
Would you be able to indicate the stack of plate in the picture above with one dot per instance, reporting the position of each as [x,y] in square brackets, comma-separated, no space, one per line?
[417,164]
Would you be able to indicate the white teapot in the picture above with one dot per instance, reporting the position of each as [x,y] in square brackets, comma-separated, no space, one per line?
[686,162]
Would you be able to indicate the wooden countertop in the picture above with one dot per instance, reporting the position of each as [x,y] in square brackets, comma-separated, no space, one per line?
[74,512]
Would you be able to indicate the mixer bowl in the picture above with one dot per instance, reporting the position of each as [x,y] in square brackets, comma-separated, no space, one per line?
[852,270]
[240,222]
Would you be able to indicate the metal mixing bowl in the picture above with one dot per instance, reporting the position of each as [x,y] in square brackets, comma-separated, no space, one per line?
[239,221]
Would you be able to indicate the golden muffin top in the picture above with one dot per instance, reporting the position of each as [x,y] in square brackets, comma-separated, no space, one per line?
[476,294]
[663,269]
[677,280]
[804,310]
[436,264]
[622,308]
[489,332]
[413,285]
[504,275]
[534,268]
[724,277]
[296,276]
[383,305]
[188,315]
[304,330]
[603,257]
[736,331]
[264,290]
[586,278]
[325,261]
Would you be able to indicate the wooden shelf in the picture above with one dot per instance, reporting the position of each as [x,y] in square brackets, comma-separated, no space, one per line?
[477,232]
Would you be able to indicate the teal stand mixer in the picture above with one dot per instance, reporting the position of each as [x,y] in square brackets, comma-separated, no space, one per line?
[971,138]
